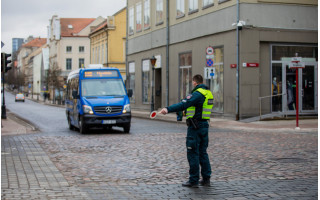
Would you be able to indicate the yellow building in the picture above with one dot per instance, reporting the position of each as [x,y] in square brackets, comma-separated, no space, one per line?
[108,41]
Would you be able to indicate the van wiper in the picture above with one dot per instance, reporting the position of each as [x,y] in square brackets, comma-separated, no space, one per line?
[91,97]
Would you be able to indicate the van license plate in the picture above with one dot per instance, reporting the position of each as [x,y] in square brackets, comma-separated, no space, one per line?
[109,121]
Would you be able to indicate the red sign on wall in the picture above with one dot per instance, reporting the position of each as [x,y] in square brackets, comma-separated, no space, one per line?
[233,66]
[250,64]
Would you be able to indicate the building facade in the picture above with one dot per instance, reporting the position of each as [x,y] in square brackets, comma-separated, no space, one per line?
[16,43]
[25,56]
[108,42]
[207,37]
[69,45]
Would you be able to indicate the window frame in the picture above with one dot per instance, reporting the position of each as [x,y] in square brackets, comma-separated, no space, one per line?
[131,21]
[68,62]
[81,49]
[159,5]
[138,17]
[68,49]
[193,6]
[146,14]
[180,3]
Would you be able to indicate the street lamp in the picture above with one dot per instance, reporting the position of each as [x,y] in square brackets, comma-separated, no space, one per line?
[153,61]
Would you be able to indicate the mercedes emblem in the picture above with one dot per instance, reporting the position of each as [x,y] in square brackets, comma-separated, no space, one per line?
[108,109]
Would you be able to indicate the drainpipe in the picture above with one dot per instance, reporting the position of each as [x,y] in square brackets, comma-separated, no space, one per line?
[238,63]
[126,59]
[167,56]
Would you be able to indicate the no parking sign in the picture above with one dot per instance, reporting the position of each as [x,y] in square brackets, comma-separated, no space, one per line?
[210,51]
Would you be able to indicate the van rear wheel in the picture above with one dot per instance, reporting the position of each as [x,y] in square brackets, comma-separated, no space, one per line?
[82,125]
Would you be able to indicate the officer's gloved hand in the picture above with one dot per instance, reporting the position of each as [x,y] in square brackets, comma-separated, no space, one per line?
[164,111]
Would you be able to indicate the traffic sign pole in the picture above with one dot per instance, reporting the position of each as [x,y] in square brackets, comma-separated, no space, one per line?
[297,98]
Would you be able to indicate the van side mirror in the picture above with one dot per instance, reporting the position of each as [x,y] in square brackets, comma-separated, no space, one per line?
[75,94]
[130,93]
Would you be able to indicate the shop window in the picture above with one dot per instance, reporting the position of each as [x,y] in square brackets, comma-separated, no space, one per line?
[146,86]
[276,87]
[279,52]
[185,74]
[216,85]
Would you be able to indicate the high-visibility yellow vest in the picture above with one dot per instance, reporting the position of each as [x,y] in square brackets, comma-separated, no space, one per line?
[206,107]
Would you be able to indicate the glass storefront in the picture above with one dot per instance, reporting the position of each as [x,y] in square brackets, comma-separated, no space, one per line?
[284,83]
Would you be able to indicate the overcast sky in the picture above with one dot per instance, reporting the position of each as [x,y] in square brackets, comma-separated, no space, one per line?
[22,18]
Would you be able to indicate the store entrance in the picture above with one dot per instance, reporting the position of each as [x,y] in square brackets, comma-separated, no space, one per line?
[308,97]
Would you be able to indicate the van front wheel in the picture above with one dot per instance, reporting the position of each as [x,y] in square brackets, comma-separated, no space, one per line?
[82,125]
[126,128]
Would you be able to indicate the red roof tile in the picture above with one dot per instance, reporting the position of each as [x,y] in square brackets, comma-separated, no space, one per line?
[77,25]
[38,42]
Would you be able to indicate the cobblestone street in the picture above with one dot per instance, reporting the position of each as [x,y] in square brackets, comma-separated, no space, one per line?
[246,165]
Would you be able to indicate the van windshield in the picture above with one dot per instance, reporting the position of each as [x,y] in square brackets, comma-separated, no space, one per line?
[102,87]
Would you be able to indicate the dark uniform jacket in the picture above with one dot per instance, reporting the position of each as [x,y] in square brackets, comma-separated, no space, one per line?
[194,99]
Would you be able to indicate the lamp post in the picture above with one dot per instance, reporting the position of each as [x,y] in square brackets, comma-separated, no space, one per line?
[153,61]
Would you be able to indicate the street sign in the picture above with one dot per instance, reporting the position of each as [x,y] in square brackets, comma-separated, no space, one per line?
[210,57]
[209,62]
[209,73]
[210,51]
[296,59]
[297,65]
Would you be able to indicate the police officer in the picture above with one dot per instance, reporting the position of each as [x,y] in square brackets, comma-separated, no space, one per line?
[198,106]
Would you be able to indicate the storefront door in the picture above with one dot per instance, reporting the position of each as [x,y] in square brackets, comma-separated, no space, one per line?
[308,97]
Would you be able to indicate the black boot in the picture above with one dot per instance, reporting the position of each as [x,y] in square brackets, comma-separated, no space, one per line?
[205,182]
[188,184]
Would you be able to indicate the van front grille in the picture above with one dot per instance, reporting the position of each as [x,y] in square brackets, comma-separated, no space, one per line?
[107,109]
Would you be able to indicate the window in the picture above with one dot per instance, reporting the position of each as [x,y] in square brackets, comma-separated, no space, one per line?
[81,49]
[185,74]
[193,5]
[131,20]
[207,3]
[216,85]
[132,79]
[180,8]
[69,49]
[68,63]
[146,14]
[138,17]
[159,12]
[146,86]
[81,62]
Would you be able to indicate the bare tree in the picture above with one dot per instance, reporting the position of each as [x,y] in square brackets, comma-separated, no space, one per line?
[54,79]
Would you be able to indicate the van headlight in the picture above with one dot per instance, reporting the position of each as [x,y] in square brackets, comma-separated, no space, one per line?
[126,109]
[87,109]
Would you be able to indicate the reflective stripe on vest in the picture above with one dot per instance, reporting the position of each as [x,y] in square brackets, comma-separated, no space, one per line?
[206,106]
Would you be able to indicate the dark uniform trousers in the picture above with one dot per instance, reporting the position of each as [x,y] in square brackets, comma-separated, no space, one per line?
[197,144]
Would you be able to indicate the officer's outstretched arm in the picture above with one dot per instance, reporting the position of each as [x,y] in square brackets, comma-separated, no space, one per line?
[186,103]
